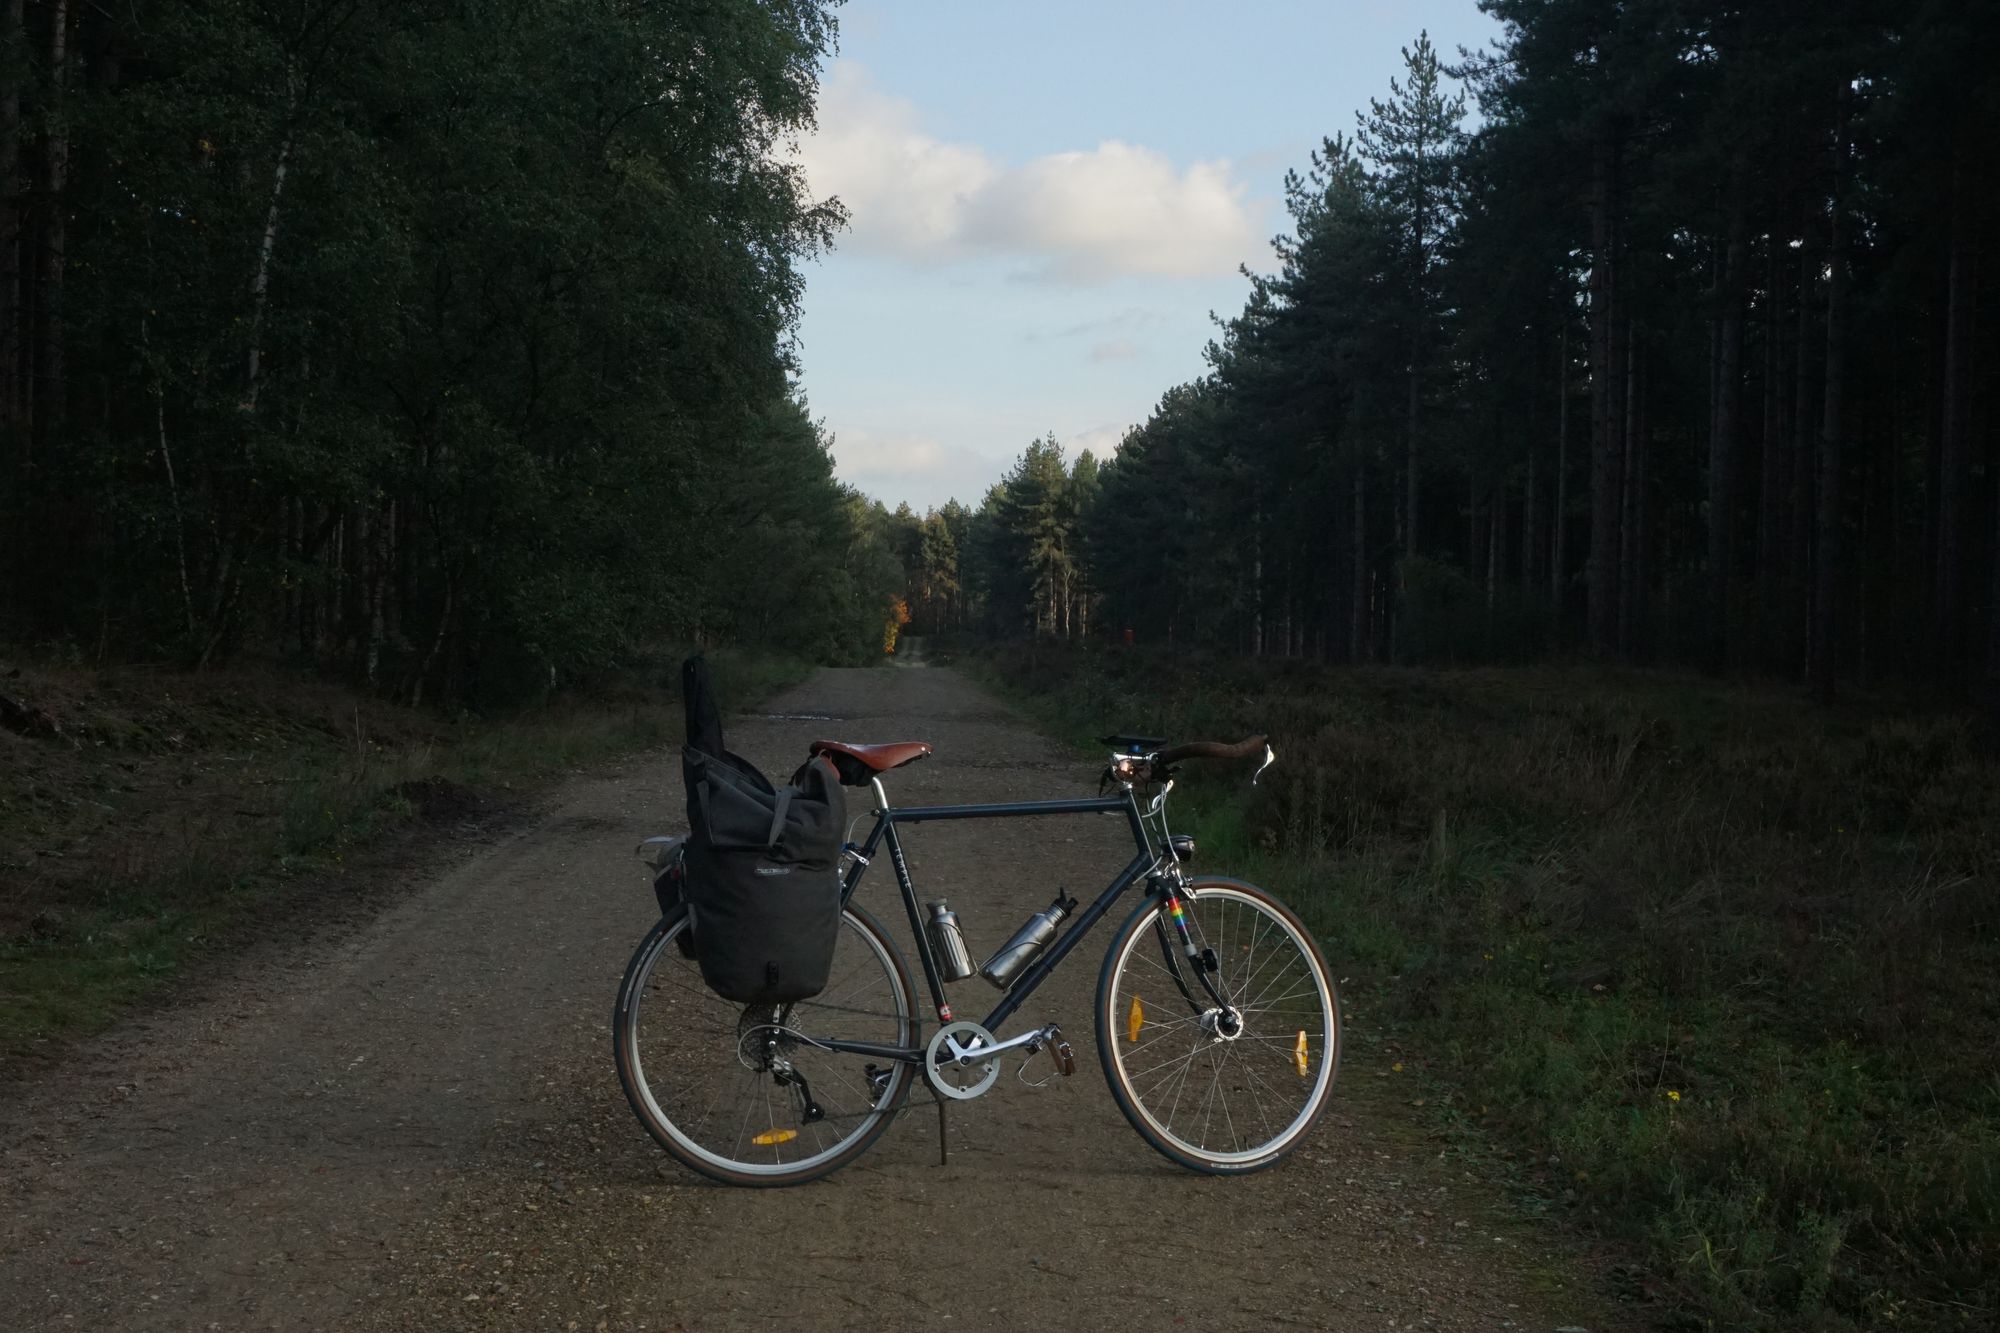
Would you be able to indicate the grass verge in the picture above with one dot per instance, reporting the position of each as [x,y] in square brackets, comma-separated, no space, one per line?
[1709,969]
[173,817]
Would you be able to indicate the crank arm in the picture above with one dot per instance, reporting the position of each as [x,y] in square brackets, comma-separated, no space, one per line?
[979,1055]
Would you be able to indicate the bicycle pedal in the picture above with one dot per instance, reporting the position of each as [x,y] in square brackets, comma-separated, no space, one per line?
[1065,1058]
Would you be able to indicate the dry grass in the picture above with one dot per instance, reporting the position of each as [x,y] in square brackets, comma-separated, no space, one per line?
[172,811]
[1722,965]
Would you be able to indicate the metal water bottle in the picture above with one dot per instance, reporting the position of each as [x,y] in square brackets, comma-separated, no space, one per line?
[1011,958]
[948,943]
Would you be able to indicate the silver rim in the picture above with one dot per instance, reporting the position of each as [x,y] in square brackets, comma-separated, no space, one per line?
[682,1045]
[1230,1100]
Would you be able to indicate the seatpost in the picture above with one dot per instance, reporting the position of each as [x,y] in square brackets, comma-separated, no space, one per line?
[881,797]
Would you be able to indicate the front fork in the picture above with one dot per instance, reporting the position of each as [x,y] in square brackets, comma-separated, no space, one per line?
[1200,959]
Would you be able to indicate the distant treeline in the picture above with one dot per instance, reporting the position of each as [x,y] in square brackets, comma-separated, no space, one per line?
[1681,354]
[440,342]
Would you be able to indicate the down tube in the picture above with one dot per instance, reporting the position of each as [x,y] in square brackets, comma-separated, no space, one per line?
[1048,962]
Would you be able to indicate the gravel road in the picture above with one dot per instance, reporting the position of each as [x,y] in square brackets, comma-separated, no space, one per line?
[416,1125]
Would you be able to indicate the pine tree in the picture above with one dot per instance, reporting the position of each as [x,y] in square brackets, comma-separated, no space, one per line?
[1415,141]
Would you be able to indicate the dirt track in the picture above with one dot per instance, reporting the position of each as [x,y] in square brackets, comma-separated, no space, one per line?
[419,1127]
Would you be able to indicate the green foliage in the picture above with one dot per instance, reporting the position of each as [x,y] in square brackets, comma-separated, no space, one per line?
[1698,266]
[445,344]
[1019,564]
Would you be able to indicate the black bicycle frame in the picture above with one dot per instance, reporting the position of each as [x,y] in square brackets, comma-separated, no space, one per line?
[886,820]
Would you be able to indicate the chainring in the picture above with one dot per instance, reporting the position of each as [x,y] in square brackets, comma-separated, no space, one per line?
[949,1078]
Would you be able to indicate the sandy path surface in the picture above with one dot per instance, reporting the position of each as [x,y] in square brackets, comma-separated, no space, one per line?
[419,1127]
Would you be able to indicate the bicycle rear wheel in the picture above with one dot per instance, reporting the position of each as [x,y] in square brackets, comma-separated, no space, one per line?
[1224,1088]
[741,1093]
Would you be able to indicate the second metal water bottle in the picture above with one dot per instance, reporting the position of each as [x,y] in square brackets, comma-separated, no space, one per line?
[1011,958]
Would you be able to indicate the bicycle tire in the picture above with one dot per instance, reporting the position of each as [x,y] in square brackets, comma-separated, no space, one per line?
[1139,1055]
[644,1083]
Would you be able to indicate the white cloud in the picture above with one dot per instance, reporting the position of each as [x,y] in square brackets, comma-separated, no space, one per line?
[907,193]
[1077,216]
[1118,208]
[925,470]
[1118,349]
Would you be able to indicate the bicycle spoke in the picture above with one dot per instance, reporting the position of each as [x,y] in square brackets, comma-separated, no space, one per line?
[1263,1118]
[1192,1083]
[690,1054]
[1222,1095]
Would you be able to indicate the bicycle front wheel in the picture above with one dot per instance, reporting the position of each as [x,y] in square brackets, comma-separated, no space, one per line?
[742,1093]
[1225,1082]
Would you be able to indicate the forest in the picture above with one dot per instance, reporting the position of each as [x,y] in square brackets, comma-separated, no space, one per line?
[446,347]
[391,364]
[450,348]
[1652,333]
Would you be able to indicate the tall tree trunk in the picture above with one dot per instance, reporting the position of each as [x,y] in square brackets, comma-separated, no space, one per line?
[1992,683]
[1607,433]
[1820,666]
[1496,511]
[1559,516]
[1771,479]
[1475,548]
[1632,474]
[1358,617]
[1722,448]
[51,377]
[260,277]
[1639,546]
[13,70]
[159,395]
[1415,453]
[1805,436]
[228,582]
[1257,584]
[437,639]
[1529,536]
[374,580]
[1930,394]
[1955,447]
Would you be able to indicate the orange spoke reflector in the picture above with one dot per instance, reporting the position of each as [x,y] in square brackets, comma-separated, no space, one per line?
[1135,1018]
[773,1136]
[1299,1053]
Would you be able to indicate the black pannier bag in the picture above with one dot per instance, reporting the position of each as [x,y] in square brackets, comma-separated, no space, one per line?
[763,878]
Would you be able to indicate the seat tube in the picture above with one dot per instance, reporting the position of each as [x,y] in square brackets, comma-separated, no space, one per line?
[909,891]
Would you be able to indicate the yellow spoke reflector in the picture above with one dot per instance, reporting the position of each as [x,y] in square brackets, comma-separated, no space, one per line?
[772,1136]
[1135,1019]
[1299,1053]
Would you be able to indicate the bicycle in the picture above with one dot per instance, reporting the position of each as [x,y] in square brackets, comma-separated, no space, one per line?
[1217,1022]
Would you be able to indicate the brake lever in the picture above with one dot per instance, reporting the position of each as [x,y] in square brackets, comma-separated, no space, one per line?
[1270,758]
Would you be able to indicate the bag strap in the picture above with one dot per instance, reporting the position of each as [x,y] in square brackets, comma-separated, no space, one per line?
[701,803]
[778,819]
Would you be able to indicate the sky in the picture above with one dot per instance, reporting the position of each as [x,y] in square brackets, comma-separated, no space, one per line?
[1047,202]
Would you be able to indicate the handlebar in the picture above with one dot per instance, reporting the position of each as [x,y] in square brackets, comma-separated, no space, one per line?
[1243,749]
[1137,759]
